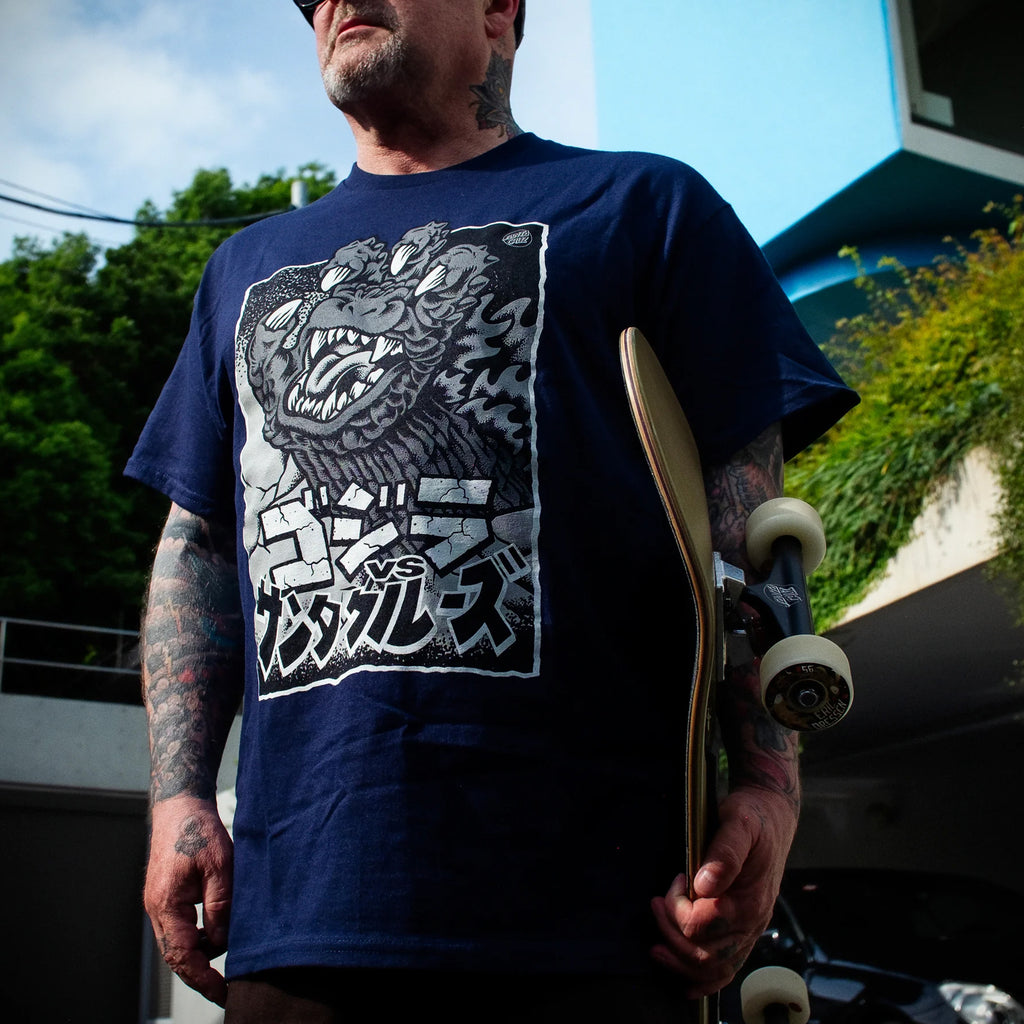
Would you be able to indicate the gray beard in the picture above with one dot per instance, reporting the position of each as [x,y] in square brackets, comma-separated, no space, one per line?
[379,70]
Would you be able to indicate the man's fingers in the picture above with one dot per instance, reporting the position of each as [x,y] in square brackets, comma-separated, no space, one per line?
[709,964]
[188,950]
[217,909]
[192,964]
[675,912]
[725,858]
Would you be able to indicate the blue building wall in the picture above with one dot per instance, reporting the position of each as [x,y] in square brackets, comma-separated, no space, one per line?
[806,116]
[780,103]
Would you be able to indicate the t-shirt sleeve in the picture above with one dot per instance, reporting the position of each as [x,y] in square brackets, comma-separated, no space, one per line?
[185,449]
[732,343]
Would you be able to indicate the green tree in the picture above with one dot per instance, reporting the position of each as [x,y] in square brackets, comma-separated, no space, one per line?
[937,359]
[85,346]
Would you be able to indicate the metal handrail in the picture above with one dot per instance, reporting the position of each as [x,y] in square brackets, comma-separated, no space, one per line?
[118,669]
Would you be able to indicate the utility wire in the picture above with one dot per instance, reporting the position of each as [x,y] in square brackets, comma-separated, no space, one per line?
[53,199]
[49,229]
[109,219]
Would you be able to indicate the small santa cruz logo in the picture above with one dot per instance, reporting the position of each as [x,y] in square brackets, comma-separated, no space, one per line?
[518,238]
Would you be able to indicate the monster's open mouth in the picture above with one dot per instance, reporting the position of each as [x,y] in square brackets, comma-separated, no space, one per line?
[342,366]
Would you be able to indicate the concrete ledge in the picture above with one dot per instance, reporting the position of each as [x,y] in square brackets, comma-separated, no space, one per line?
[47,741]
[954,532]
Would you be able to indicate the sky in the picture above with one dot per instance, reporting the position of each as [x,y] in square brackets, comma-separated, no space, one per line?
[779,103]
[108,103]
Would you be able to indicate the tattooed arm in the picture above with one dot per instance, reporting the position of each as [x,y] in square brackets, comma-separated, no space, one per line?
[192,681]
[708,939]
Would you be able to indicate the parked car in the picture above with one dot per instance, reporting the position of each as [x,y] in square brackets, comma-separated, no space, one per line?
[892,947]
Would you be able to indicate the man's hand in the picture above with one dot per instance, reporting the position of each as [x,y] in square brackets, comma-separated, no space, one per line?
[190,862]
[708,939]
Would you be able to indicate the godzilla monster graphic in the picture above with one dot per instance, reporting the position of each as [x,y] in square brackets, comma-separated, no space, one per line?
[389,468]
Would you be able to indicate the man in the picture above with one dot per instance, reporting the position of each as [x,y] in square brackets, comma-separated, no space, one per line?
[411,521]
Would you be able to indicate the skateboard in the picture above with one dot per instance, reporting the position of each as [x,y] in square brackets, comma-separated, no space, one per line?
[805,679]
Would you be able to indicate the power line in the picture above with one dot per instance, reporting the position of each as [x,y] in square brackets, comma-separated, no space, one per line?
[53,199]
[51,230]
[109,219]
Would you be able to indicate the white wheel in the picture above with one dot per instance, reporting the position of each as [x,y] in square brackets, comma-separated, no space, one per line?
[806,682]
[785,517]
[774,986]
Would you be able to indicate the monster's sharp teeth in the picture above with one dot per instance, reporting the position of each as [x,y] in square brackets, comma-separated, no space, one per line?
[381,347]
[401,256]
[317,340]
[356,390]
[375,375]
[279,318]
[334,276]
[292,401]
[353,337]
[432,280]
[342,402]
[330,406]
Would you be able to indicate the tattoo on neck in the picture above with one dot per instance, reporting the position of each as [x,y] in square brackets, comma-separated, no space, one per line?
[493,98]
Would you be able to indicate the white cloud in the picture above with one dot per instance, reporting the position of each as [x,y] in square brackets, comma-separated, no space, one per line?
[118,102]
[108,103]
[127,94]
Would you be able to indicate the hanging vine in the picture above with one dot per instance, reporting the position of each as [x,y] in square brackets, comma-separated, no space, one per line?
[938,359]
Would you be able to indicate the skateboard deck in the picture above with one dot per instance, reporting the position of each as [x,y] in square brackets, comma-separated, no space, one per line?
[675,464]
[805,678]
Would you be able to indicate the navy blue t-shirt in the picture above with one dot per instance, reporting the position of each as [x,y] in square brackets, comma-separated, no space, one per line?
[465,618]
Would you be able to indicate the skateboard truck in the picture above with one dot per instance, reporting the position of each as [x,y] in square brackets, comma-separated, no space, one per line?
[805,679]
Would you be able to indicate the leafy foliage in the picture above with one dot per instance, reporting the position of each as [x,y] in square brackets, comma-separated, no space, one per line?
[937,359]
[84,351]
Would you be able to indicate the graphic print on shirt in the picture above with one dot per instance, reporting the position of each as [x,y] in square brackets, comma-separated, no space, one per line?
[389,469]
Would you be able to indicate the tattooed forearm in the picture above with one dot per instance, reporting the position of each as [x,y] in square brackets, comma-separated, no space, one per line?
[761,753]
[737,487]
[493,98]
[191,657]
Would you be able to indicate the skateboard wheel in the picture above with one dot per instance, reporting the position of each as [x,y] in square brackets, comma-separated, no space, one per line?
[806,682]
[774,987]
[785,517]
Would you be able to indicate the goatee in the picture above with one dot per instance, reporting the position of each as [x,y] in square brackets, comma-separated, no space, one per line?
[383,67]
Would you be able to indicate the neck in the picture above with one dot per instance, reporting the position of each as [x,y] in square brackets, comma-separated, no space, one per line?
[431,132]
